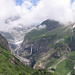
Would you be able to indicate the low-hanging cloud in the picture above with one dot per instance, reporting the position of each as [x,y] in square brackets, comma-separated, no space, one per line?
[59,10]
[41,27]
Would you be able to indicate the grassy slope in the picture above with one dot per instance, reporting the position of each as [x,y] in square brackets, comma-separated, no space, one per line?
[67,65]
[36,34]
[8,68]
[43,72]
[61,69]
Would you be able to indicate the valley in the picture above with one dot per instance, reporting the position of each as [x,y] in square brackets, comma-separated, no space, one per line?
[37,37]
[49,46]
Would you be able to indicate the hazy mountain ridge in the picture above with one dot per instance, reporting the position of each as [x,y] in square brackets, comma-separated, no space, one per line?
[16,35]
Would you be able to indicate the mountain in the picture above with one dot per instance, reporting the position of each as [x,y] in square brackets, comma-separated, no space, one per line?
[38,33]
[4,43]
[67,67]
[51,24]
[11,19]
[10,65]
[16,35]
[49,45]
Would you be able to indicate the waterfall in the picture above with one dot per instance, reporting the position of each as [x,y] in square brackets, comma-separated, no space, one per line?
[72,35]
[17,52]
[37,50]
[31,50]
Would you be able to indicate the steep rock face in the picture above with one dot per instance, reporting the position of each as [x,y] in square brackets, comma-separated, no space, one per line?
[23,60]
[4,43]
[37,39]
[44,46]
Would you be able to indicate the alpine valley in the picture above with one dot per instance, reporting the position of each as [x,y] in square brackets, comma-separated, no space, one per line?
[48,48]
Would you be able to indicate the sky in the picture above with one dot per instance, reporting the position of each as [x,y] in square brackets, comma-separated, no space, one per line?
[19,2]
[32,12]
[72,1]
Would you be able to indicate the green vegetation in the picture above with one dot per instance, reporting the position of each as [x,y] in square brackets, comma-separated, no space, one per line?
[43,72]
[9,65]
[35,34]
[72,44]
[67,65]
[59,41]
[38,33]
[73,72]
[61,69]
[57,33]
[51,63]
[70,62]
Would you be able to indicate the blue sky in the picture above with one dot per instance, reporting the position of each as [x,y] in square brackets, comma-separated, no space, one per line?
[72,1]
[19,2]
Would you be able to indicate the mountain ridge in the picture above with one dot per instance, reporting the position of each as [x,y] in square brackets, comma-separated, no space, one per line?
[47,47]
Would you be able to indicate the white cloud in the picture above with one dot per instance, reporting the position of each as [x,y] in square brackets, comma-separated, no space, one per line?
[41,26]
[7,9]
[60,10]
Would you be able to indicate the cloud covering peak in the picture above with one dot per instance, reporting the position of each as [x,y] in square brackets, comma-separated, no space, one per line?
[31,12]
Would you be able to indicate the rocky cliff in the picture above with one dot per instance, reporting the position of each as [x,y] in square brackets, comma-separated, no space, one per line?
[4,43]
[10,65]
[43,46]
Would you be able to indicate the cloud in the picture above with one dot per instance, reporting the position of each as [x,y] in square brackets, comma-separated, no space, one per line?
[29,13]
[7,9]
[41,26]
[53,9]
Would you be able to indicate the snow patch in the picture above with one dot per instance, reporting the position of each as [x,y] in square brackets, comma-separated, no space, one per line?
[20,26]
[21,31]
[74,26]
[18,42]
